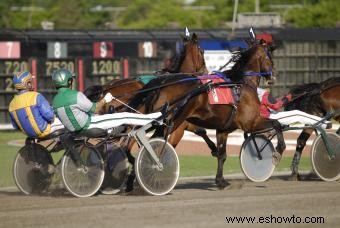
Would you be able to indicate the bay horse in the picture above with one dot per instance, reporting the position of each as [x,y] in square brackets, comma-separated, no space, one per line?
[188,97]
[190,60]
[317,99]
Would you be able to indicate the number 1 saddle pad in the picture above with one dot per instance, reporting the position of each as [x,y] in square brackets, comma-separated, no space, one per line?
[221,94]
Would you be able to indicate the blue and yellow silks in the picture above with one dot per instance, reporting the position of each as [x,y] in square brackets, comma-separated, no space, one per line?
[31,113]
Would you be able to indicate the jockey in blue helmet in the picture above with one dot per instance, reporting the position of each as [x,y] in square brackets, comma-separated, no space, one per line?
[29,110]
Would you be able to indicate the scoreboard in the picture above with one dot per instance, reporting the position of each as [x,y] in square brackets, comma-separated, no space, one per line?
[95,63]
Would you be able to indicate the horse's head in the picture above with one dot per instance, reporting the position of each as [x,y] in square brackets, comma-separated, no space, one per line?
[193,60]
[260,64]
[190,59]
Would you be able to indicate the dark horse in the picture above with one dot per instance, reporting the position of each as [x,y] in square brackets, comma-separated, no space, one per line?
[316,99]
[188,99]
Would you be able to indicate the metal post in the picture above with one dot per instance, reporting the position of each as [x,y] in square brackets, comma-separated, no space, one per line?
[257,6]
[234,17]
[80,74]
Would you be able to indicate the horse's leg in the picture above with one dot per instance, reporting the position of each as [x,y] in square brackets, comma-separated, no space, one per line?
[177,135]
[269,124]
[132,175]
[338,120]
[281,145]
[131,160]
[221,157]
[301,143]
[203,133]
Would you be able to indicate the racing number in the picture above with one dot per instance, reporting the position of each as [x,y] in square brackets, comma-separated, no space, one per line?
[9,50]
[103,49]
[57,50]
[9,46]
[55,65]
[106,79]
[106,67]
[148,50]
[12,67]
[9,84]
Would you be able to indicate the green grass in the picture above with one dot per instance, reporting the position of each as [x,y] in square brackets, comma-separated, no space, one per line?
[207,165]
[191,165]
[7,156]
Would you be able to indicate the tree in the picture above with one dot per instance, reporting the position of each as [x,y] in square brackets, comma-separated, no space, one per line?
[322,14]
[140,14]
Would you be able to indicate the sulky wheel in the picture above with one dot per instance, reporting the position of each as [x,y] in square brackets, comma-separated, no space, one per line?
[84,176]
[153,179]
[255,168]
[326,167]
[32,169]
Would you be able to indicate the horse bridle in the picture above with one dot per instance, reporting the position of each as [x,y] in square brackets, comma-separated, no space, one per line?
[261,74]
[196,60]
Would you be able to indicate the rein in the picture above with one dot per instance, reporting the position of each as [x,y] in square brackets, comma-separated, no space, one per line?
[299,96]
[258,74]
[199,90]
[183,80]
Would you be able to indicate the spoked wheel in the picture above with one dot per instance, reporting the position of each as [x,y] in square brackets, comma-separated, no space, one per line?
[31,169]
[83,177]
[255,168]
[116,170]
[153,179]
[326,167]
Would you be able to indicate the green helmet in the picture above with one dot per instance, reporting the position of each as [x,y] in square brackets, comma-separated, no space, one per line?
[61,78]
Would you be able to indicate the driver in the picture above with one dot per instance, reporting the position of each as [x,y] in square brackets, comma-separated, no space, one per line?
[270,106]
[76,111]
[29,110]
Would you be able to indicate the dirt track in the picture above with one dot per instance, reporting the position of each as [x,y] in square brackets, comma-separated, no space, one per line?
[193,203]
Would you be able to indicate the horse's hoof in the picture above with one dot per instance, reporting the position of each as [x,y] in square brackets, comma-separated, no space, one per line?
[276,158]
[222,184]
[294,177]
[129,183]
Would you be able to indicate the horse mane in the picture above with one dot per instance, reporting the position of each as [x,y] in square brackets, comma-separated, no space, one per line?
[308,88]
[240,59]
[333,81]
[151,90]
[175,62]
[94,93]
[306,98]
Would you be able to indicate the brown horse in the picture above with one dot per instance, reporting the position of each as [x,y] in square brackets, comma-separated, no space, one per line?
[316,99]
[190,60]
[188,100]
